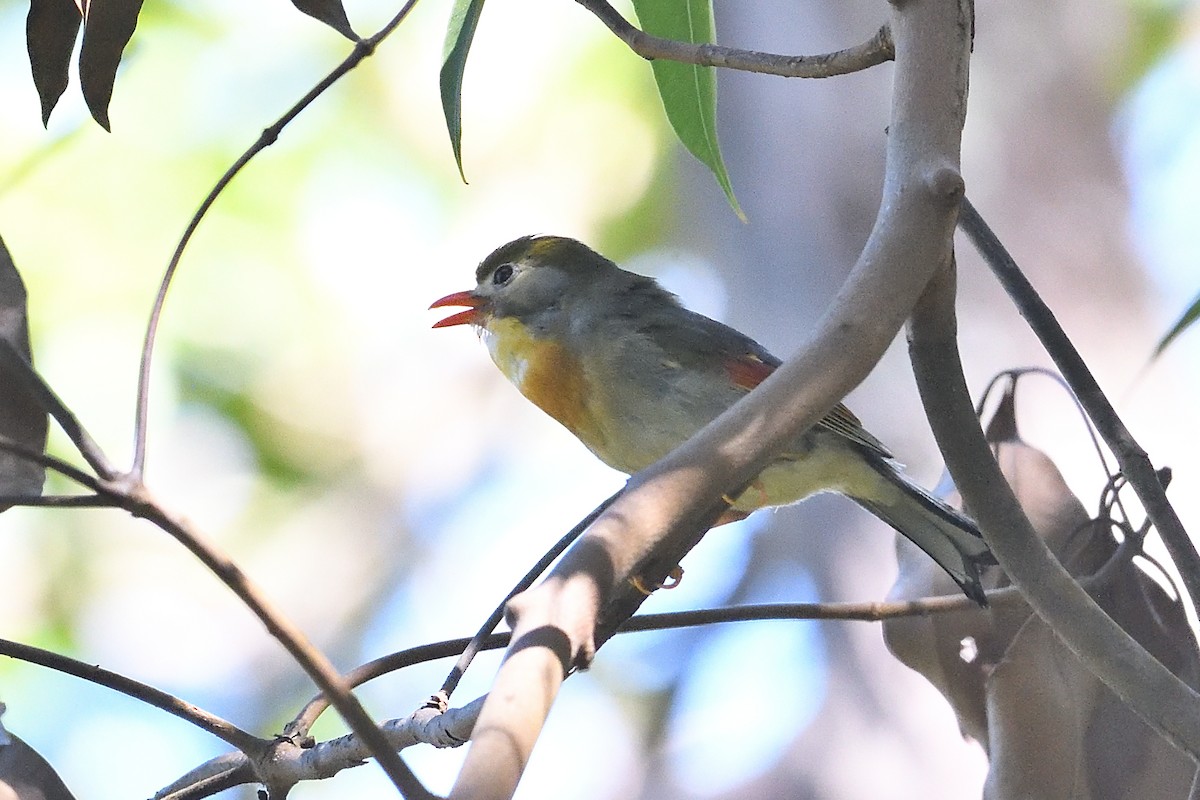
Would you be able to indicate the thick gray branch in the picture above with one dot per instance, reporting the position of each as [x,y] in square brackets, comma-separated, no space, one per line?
[1160,698]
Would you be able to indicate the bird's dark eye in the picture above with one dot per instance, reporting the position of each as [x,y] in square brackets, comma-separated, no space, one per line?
[502,275]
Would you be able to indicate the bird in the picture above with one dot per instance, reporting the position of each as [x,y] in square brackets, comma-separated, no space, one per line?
[632,373]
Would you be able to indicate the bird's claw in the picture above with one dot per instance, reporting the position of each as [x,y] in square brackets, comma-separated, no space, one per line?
[674,578]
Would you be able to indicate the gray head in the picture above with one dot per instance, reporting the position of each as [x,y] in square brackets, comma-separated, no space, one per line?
[547,282]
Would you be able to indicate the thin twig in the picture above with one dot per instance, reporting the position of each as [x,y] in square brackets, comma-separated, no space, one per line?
[312,660]
[362,49]
[302,724]
[1133,460]
[58,501]
[876,50]
[297,731]
[18,368]
[871,611]
[65,469]
[468,654]
[314,663]
[213,777]
[1014,376]
[222,729]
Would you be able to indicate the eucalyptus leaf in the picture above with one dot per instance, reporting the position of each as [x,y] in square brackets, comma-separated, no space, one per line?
[107,28]
[1185,322]
[51,28]
[689,92]
[464,18]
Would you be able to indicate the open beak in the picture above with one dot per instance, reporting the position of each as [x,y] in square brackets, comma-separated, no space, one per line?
[472,316]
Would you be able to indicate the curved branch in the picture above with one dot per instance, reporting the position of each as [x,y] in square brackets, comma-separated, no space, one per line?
[222,729]
[535,572]
[1161,699]
[657,518]
[876,50]
[18,368]
[63,468]
[210,778]
[362,49]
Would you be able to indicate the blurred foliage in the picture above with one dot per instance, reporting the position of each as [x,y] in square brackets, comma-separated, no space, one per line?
[1155,27]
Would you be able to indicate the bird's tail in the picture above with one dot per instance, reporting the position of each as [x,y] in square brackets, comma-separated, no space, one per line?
[949,537]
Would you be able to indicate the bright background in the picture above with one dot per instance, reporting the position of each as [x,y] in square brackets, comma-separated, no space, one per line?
[385,484]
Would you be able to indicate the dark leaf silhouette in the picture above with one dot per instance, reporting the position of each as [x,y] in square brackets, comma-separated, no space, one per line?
[1182,324]
[107,28]
[50,32]
[24,774]
[1050,728]
[331,12]
[21,419]
[1003,427]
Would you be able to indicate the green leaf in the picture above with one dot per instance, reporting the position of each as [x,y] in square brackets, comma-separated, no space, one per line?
[1189,316]
[689,92]
[464,18]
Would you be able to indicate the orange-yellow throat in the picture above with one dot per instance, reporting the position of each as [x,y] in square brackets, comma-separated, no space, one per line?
[547,374]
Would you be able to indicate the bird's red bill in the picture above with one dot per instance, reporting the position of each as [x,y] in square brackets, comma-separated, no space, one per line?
[471,316]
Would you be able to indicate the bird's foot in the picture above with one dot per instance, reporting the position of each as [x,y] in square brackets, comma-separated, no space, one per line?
[674,577]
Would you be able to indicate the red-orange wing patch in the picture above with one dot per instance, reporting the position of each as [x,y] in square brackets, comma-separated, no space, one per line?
[748,370]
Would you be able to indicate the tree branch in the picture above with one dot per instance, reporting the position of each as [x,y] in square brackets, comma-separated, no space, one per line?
[1156,695]
[876,50]
[535,572]
[423,726]
[291,761]
[363,48]
[220,728]
[310,659]
[666,504]
[57,501]
[1133,460]
[63,468]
